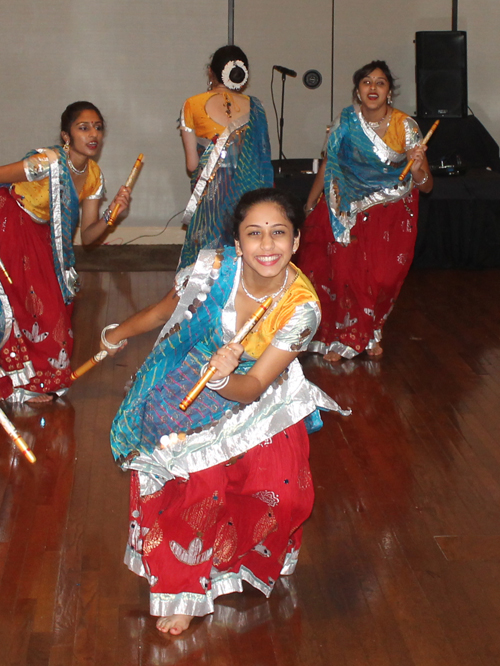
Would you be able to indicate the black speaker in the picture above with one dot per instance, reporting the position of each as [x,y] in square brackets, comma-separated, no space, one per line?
[441,74]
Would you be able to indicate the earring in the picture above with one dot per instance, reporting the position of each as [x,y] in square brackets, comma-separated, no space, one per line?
[358,96]
[389,99]
[210,85]
[66,147]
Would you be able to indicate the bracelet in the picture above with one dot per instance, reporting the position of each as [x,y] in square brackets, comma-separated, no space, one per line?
[106,215]
[218,383]
[423,181]
[106,343]
[309,210]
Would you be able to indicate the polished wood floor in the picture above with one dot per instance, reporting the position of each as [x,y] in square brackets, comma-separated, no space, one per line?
[401,558]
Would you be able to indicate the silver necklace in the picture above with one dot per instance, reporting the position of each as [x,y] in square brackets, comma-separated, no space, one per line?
[74,169]
[261,300]
[375,125]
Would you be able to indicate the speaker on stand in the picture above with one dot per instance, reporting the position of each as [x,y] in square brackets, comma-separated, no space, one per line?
[441,73]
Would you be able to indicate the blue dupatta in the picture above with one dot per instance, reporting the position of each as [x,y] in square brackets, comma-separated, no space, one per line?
[236,163]
[173,367]
[359,165]
[64,217]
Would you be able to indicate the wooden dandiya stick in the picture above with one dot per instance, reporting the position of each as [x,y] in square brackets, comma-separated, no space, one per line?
[130,183]
[16,437]
[425,140]
[242,333]
[88,365]
[4,271]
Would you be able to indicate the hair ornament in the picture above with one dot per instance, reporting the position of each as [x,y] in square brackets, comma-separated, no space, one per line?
[226,72]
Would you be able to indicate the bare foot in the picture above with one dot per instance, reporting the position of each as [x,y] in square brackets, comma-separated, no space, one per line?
[174,624]
[332,357]
[376,350]
[40,399]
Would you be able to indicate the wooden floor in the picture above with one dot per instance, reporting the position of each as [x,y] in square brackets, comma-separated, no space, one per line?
[401,558]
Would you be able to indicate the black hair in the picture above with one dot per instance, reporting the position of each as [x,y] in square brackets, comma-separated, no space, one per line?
[220,59]
[287,202]
[72,111]
[360,74]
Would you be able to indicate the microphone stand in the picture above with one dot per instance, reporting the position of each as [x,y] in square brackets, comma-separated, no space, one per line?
[282,121]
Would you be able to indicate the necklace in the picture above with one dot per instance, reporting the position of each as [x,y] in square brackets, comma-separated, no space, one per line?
[261,300]
[79,172]
[375,125]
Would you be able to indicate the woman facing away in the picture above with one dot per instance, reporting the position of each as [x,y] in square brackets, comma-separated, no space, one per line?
[226,144]
[40,211]
[359,238]
[219,492]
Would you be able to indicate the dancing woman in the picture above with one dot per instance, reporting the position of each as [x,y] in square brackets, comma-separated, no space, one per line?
[219,492]
[40,212]
[359,239]
[226,144]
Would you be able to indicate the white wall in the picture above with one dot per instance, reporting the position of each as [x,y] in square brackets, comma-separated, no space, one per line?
[138,61]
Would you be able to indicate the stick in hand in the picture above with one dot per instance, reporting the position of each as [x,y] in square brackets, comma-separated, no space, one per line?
[130,183]
[88,365]
[426,139]
[244,330]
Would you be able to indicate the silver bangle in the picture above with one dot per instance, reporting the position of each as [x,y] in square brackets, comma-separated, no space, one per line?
[423,181]
[106,343]
[218,383]
[106,215]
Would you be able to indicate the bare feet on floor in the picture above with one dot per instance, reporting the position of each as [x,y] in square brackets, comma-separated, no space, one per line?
[375,351]
[40,399]
[332,357]
[174,624]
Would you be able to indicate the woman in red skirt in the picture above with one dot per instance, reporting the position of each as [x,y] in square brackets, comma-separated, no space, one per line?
[39,213]
[220,491]
[359,238]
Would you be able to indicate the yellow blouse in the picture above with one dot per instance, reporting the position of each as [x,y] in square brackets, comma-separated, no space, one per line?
[273,328]
[395,136]
[34,196]
[194,116]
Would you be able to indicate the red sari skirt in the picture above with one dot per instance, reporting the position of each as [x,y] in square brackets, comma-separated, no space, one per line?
[358,284]
[240,520]
[37,353]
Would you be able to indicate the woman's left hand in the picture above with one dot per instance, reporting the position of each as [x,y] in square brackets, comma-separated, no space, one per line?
[226,360]
[417,154]
[122,199]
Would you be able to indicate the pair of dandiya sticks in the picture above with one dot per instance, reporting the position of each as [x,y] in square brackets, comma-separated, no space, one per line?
[207,376]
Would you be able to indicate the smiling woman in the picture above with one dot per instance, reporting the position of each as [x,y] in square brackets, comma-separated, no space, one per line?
[40,209]
[219,492]
[360,235]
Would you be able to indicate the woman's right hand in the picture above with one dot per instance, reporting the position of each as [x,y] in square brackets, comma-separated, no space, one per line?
[226,360]
[113,338]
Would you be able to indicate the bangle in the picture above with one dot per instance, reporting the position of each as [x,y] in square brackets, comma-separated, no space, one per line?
[309,210]
[106,215]
[218,383]
[106,343]
[423,181]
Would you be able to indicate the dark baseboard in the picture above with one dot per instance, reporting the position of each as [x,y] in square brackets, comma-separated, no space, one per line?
[127,257]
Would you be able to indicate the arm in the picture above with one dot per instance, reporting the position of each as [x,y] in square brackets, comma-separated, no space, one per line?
[190,150]
[13,173]
[93,226]
[247,388]
[317,188]
[146,320]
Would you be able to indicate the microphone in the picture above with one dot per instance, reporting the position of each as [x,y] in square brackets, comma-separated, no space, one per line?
[285,71]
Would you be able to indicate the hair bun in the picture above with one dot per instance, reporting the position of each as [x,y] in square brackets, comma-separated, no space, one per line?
[234,75]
